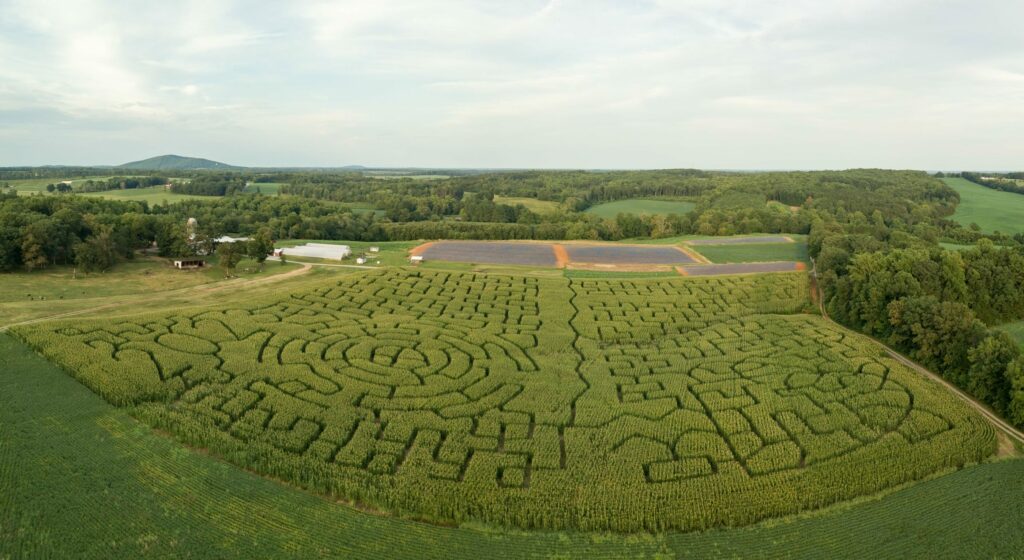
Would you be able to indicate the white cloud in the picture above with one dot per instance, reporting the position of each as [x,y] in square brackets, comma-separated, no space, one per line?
[709,83]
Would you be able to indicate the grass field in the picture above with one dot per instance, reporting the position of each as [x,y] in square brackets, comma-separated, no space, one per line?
[272,189]
[754,253]
[1016,330]
[29,186]
[57,289]
[151,195]
[610,210]
[82,479]
[533,204]
[482,398]
[991,209]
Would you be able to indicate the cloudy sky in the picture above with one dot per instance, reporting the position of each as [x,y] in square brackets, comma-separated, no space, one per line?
[726,84]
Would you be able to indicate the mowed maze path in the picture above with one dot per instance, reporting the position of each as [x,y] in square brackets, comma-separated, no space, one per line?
[603,256]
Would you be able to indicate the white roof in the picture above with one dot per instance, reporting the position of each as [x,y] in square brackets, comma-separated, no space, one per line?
[229,239]
[318,251]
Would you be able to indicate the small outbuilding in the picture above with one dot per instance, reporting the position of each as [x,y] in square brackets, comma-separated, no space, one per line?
[416,259]
[187,264]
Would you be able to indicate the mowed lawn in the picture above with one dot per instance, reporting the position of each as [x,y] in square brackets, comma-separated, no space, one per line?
[760,252]
[648,206]
[532,204]
[125,491]
[992,210]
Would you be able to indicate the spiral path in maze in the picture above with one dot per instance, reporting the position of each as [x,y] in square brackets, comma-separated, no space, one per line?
[535,402]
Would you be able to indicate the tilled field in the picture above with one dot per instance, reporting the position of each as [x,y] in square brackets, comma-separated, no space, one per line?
[626,254]
[536,254]
[740,268]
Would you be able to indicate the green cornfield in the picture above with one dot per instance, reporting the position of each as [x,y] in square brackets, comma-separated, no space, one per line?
[624,405]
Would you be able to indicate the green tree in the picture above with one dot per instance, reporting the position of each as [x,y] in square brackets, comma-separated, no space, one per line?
[229,255]
[1015,376]
[987,377]
[260,246]
[98,252]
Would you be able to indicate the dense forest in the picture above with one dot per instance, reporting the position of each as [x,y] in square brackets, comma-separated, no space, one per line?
[874,236]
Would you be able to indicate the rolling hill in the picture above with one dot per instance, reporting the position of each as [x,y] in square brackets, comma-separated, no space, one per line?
[173,162]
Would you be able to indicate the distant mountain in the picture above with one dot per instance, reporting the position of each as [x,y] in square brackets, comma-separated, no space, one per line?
[173,162]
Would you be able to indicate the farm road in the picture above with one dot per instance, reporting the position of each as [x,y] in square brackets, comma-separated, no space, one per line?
[211,287]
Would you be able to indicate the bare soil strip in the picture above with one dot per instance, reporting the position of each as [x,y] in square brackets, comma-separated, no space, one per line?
[561,256]
[693,254]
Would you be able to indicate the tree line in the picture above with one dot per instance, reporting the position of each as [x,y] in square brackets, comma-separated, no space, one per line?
[1006,182]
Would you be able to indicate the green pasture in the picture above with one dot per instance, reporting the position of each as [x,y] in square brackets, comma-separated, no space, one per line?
[532,204]
[610,210]
[272,189]
[152,195]
[992,210]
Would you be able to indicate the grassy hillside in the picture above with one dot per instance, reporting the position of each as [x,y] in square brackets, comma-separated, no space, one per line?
[991,209]
[57,289]
[640,206]
[81,479]
[173,162]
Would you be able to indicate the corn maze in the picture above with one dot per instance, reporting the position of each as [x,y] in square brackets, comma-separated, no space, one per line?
[620,405]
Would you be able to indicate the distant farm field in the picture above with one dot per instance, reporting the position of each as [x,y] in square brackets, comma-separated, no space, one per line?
[610,210]
[533,204]
[991,209]
[151,195]
[459,397]
[264,188]
[128,492]
[759,252]
[29,186]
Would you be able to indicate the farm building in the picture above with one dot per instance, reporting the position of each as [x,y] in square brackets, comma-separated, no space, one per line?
[229,239]
[183,264]
[316,251]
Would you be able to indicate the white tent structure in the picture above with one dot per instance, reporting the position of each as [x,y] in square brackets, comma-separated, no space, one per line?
[316,251]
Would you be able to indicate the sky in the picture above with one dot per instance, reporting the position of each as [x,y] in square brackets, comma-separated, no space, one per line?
[713,84]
